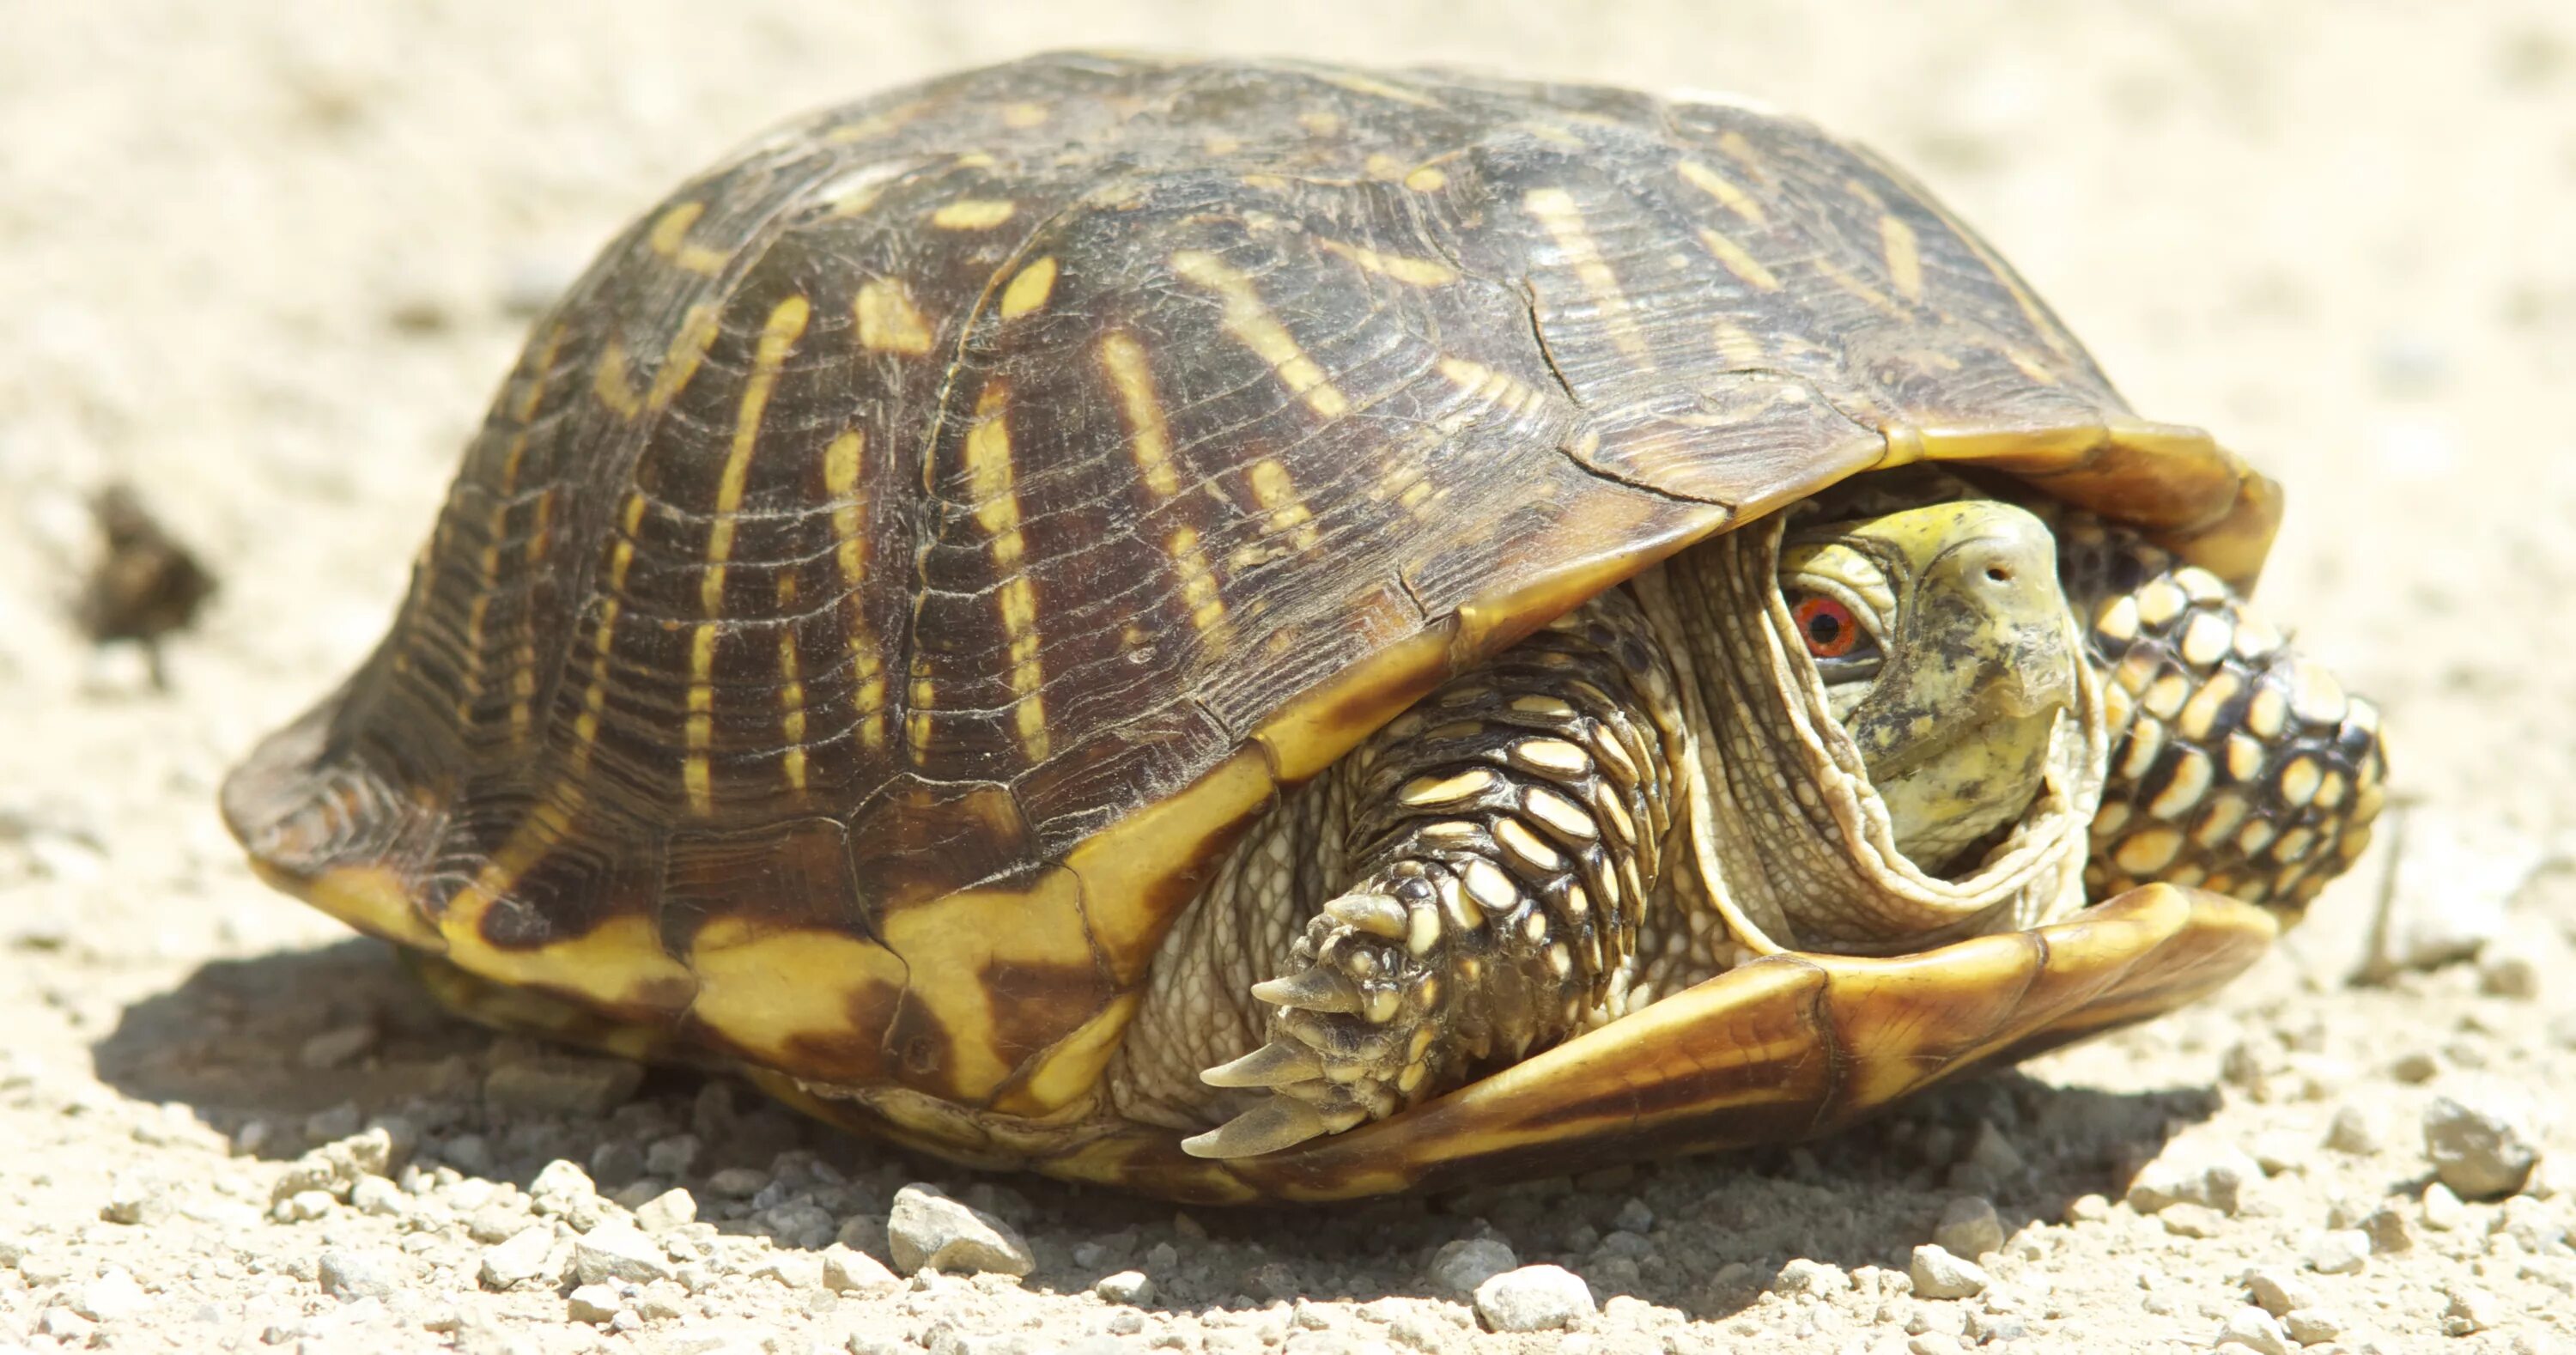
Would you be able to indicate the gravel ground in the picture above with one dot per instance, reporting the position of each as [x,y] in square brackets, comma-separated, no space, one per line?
[266,261]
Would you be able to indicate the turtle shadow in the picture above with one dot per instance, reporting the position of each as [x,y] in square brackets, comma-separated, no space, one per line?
[287,1050]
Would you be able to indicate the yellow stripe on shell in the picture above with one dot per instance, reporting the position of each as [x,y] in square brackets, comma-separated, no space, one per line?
[1563,220]
[1029,288]
[1411,271]
[973,214]
[888,320]
[1725,190]
[1250,321]
[778,337]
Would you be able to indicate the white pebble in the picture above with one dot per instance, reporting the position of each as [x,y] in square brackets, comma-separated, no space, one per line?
[2339,1251]
[521,1260]
[2195,1169]
[593,1303]
[1815,1279]
[1127,1286]
[1939,1275]
[1534,1298]
[2312,1326]
[673,1208]
[2278,1291]
[618,1251]
[113,1295]
[2255,1330]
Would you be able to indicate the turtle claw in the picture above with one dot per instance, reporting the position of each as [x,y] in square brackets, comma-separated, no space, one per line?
[1275,1064]
[1314,989]
[1278,1122]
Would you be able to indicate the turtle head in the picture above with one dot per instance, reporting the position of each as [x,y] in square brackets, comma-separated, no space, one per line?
[1947,651]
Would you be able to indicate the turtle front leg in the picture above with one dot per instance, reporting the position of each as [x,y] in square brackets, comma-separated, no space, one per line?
[1504,840]
[2237,764]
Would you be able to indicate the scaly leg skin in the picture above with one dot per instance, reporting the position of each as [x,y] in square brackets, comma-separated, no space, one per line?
[2237,764]
[1503,846]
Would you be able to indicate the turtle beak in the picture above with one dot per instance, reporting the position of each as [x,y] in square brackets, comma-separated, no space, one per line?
[1983,634]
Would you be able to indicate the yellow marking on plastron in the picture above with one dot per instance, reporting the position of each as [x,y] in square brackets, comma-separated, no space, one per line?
[1252,325]
[699,730]
[973,214]
[791,709]
[1149,440]
[1728,195]
[991,485]
[670,239]
[778,337]
[1029,288]
[1747,269]
[888,321]
[1198,582]
[1415,272]
[1563,221]
[1904,257]
[1023,115]
[770,991]
[978,932]
[1277,494]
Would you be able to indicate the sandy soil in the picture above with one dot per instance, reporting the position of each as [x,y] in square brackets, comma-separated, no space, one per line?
[266,261]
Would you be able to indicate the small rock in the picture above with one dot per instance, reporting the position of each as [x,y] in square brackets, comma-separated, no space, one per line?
[1969,1228]
[2388,1230]
[795,1269]
[2255,1330]
[1939,1275]
[561,1187]
[2415,1066]
[519,1261]
[593,1303]
[2088,1208]
[335,1167]
[2443,1211]
[562,1084]
[1933,1343]
[347,1275]
[737,1183]
[2471,1310]
[926,1230]
[2355,1130]
[1461,1266]
[1814,1279]
[2484,1139]
[673,1208]
[2195,1170]
[136,1203]
[377,1197]
[618,1251]
[2511,968]
[1634,1216]
[672,1157]
[335,1048]
[1534,1298]
[2312,1326]
[2278,1291]
[2339,1251]
[302,1206]
[113,1295]
[2455,874]
[2192,1220]
[1990,1150]
[845,1270]
[67,1327]
[1132,1287]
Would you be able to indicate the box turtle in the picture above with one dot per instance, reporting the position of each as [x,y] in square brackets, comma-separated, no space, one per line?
[1253,629]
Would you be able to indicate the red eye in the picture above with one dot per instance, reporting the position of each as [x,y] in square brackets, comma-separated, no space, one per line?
[1827,626]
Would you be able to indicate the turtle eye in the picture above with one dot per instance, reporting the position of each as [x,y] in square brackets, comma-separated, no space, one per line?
[1828,627]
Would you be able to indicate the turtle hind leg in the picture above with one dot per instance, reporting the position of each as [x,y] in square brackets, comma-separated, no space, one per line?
[2237,765]
[520,1010]
[1503,842]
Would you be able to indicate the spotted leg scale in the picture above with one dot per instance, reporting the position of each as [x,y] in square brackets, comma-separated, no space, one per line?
[1505,836]
[2237,764]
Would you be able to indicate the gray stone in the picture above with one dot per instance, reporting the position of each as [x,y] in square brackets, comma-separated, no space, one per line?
[562,1084]
[671,1157]
[1939,1275]
[2255,1330]
[523,1260]
[349,1274]
[2484,1139]
[1969,1228]
[1462,1265]
[619,1251]
[334,1048]
[1127,1286]
[926,1230]
[1534,1298]
[2355,1130]
[1814,1279]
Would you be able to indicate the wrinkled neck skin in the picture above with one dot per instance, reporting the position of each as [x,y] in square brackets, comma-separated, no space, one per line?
[1943,793]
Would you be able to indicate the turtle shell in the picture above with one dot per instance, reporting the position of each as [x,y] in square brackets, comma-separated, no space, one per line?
[912,552]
